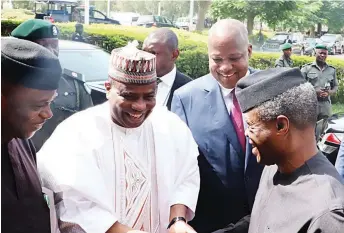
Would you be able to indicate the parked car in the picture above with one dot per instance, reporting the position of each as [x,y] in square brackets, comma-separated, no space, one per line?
[154,21]
[90,61]
[309,46]
[96,16]
[63,10]
[334,42]
[273,44]
[332,136]
[184,23]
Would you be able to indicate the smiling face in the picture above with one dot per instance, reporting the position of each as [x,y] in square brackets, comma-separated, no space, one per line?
[321,55]
[25,110]
[228,59]
[131,104]
[266,138]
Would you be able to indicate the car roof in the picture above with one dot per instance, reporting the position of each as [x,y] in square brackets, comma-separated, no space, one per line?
[74,45]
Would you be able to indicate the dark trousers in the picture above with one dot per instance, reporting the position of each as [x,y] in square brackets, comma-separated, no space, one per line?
[239,227]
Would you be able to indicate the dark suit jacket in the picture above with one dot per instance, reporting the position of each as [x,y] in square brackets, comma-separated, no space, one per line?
[180,80]
[229,177]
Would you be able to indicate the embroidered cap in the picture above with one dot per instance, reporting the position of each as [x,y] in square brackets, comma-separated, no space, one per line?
[131,65]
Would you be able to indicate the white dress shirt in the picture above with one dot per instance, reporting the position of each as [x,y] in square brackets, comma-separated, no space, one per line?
[164,87]
[228,96]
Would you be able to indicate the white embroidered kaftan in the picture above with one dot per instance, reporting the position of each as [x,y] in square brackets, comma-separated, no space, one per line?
[103,173]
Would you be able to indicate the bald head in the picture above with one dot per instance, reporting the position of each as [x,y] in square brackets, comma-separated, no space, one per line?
[164,36]
[230,29]
[229,52]
[163,43]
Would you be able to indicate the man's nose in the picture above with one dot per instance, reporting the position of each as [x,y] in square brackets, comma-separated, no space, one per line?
[46,114]
[225,67]
[139,105]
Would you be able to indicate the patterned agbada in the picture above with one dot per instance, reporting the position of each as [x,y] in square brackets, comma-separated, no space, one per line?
[105,173]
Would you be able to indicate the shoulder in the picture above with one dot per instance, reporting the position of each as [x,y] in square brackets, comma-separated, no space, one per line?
[91,117]
[194,86]
[330,220]
[253,70]
[183,77]
[73,75]
[162,118]
[306,66]
[331,66]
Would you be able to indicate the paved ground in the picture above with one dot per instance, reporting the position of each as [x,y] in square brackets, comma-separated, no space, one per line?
[341,56]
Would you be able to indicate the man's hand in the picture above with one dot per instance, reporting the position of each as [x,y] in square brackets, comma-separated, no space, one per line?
[136,231]
[181,227]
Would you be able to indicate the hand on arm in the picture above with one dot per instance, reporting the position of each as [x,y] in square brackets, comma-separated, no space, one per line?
[179,226]
[120,228]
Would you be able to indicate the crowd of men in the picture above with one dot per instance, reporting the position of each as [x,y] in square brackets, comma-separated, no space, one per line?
[232,151]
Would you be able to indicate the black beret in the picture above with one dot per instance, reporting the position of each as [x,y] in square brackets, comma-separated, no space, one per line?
[29,64]
[261,86]
[35,29]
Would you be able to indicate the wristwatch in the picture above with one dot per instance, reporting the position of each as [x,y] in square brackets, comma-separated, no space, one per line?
[176,219]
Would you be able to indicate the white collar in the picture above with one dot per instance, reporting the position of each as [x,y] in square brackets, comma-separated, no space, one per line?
[227,91]
[169,78]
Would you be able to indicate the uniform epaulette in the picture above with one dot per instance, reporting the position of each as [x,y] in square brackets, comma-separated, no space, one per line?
[331,66]
[73,75]
[307,64]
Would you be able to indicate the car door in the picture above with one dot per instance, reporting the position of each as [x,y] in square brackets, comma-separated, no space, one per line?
[98,17]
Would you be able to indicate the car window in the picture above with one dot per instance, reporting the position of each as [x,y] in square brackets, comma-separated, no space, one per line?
[168,21]
[91,63]
[328,38]
[98,15]
[145,19]
[159,19]
[279,37]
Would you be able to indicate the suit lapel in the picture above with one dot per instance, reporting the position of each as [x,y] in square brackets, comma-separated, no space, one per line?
[175,86]
[218,113]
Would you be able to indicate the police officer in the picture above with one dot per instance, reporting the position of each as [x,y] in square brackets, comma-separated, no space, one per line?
[285,60]
[72,95]
[323,77]
[78,34]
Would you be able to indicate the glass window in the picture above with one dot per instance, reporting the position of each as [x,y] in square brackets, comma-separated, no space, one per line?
[98,15]
[145,19]
[328,38]
[93,64]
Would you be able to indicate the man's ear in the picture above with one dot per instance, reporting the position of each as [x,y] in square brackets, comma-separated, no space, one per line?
[175,54]
[282,125]
[249,50]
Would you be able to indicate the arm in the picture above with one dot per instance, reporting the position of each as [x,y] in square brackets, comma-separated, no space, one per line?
[278,63]
[340,160]
[334,85]
[187,178]
[304,72]
[68,167]
[331,222]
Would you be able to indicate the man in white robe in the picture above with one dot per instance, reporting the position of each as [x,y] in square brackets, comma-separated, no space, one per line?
[123,166]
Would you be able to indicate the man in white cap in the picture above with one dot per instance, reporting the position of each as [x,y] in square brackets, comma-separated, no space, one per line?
[123,166]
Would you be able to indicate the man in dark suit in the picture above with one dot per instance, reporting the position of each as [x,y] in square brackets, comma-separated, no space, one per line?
[163,43]
[229,173]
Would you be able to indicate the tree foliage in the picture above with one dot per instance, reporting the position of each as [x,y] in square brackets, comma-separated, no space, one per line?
[297,15]
[271,12]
